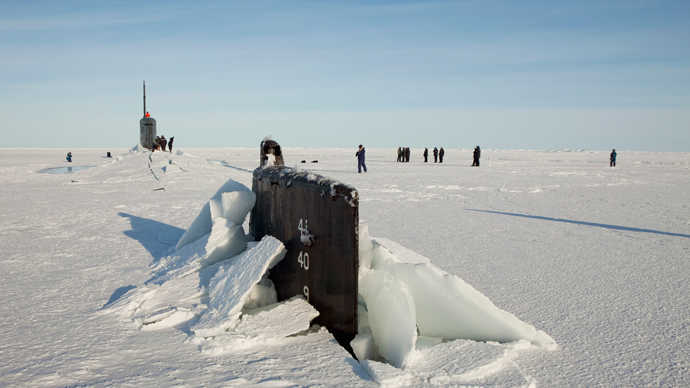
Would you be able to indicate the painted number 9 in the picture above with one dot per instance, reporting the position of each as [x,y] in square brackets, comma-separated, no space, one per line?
[305,290]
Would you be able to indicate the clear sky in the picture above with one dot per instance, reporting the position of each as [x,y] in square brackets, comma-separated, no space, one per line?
[500,74]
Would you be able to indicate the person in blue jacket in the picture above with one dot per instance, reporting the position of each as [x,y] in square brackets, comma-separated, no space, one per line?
[613,158]
[69,157]
[360,160]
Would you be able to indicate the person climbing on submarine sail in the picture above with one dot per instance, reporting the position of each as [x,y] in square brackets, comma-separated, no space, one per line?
[360,160]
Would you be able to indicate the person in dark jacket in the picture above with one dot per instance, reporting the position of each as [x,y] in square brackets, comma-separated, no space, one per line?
[613,158]
[170,143]
[435,154]
[441,152]
[69,157]
[163,143]
[360,160]
[400,154]
[476,155]
[407,154]
[426,154]
[271,147]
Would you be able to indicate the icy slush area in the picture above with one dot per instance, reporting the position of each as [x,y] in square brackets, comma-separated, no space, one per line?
[595,257]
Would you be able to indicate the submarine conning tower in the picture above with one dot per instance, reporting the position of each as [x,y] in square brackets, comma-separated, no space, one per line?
[147,127]
[317,219]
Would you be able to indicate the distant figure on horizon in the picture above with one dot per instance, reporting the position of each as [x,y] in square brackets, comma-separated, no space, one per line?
[426,154]
[406,155]
[441,152]
[69,157]
[435,154]
[107,155]
[170,143]
[360,160]
[613,158]
[476,155]
[400,154]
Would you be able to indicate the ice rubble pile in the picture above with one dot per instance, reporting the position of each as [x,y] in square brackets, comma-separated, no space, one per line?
[216,274]
[404,299]
[216,284]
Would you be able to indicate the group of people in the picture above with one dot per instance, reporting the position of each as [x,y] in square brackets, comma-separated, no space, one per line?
[438,154]
[161,143]
[403,154]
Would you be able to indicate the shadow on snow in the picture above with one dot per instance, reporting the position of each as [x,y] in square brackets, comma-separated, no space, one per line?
[607,226]
[156,237]
[117,294]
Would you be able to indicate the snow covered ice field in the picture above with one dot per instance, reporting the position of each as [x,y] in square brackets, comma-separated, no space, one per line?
[596,257]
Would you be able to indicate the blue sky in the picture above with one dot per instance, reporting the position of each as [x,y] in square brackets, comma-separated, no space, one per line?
[500,74]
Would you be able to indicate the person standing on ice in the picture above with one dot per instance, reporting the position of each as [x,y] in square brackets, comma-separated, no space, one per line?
[163,143]
[399,154]
[613,158]
[441,152]
[435,154]
[476,155]
[426,154]
[170,143]
[360,160]
[69,157]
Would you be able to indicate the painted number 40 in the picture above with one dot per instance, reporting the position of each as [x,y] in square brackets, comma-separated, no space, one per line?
[303,260]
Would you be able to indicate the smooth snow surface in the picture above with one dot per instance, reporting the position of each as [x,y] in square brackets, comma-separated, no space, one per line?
[95,294]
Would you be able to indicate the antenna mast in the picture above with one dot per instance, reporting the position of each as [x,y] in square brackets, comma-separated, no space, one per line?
[144,98]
